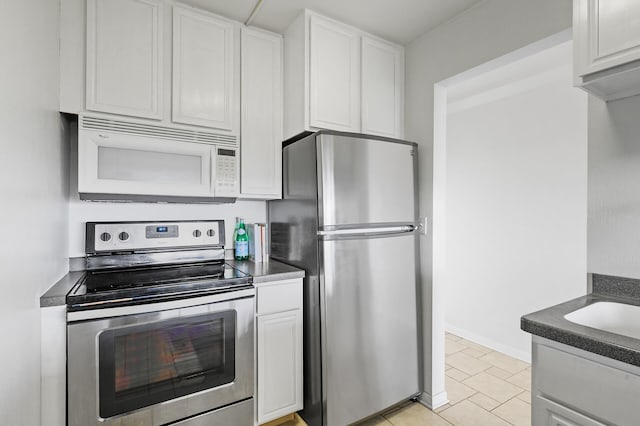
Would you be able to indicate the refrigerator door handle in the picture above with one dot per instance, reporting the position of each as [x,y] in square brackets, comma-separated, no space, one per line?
[367,232]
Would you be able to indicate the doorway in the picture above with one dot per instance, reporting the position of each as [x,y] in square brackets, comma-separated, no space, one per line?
[510,186]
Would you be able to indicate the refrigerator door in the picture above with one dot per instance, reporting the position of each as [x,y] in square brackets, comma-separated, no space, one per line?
[365,181]
[369,324]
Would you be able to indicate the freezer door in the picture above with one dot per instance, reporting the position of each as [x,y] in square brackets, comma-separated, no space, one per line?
[369,325]
[365,181]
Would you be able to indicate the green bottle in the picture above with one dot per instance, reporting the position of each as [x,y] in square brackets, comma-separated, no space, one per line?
[242,242]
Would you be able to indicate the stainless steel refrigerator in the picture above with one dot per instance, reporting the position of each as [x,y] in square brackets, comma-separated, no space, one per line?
[349,218]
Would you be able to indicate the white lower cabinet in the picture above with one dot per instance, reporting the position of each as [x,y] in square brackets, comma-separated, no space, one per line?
[53,365]
[573,387]
[279,349]
[549,413]
[278,338]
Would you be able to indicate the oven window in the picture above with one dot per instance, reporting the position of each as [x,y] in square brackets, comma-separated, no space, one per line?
[142,365]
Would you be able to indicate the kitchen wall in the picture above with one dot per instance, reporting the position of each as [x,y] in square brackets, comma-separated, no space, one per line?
[614,187]
[83,211]
[516,197]
[487,31]
[34,188]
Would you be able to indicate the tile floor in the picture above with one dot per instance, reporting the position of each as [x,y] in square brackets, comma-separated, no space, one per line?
[485,388]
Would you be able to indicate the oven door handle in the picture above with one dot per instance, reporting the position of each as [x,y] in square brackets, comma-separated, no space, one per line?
[160,306]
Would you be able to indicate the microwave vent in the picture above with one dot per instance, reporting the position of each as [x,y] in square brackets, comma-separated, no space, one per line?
[155,131]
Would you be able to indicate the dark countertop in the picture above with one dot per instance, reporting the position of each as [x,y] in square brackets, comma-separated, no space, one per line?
[57,294]
[267,271]
[261,272]
[551,324]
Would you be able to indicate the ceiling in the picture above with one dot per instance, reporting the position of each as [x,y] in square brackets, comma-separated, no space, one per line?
[401,21]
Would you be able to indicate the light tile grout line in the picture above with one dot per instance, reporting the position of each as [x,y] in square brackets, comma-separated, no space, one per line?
[461,341]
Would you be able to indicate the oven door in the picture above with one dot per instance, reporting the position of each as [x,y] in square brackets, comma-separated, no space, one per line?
[153,364]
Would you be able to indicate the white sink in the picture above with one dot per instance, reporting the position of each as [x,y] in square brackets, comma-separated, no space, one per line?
[613,317]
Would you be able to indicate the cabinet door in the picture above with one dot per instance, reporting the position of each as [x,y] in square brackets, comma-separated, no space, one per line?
[578,379]
[548,413]
[334,76]
[261,118]
[203,69]
[382,88]
[279,364]
[606,34]
[111,163]
[124,57]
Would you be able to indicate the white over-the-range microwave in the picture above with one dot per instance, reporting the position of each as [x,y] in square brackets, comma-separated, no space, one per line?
[122,160]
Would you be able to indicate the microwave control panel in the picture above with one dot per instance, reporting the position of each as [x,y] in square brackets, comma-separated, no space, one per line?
[227,172]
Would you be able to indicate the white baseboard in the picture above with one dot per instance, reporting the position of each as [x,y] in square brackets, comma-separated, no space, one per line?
[492,344]
[433,402]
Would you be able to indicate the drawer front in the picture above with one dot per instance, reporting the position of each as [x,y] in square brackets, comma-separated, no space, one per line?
[279,296]
[600,391]
[548,413]
[235,414]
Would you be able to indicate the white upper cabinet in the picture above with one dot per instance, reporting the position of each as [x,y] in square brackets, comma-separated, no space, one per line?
[341,78]
[204,70]
[113,57]
[129,46]
[606,38]
[261,115]
[334,76]
[382,88]
[124,57]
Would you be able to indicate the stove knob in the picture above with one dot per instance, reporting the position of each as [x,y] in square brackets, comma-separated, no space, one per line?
[197,233]
[124,236]
[211,233]
[105,236]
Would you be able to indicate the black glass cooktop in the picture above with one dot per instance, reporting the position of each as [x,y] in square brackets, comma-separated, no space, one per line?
[159,275]
[152,284]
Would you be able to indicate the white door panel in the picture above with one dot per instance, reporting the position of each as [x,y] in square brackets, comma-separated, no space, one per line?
[124,57]
[334,76]
[203,70]
[261,169]
[279,364]
[382,88]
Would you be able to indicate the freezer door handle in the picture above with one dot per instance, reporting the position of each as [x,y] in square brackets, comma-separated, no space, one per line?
[367,232]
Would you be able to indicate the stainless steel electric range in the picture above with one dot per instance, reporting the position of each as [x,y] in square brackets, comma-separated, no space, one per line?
[160,329]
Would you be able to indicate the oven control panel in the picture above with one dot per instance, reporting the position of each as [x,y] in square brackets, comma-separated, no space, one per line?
[130,236]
